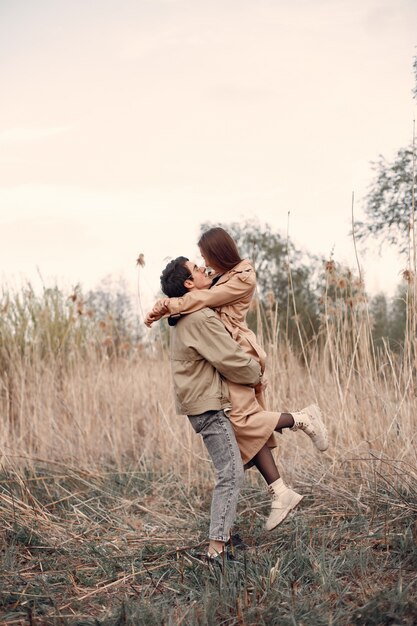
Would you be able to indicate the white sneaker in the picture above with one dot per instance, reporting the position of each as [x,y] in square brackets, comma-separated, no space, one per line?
[284,501]
[309,420]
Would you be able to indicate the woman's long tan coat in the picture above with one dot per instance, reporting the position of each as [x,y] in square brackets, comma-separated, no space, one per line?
[231,297]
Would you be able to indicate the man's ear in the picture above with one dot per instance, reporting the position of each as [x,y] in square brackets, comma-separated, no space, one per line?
[188,284]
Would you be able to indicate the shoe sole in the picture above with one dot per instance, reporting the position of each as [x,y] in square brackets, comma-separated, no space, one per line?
[296,499]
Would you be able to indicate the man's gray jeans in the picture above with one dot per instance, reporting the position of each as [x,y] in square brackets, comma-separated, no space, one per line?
[220,441]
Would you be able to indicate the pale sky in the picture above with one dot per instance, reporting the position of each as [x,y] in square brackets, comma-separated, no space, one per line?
[125,124]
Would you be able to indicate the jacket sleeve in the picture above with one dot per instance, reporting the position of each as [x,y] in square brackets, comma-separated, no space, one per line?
[238,286]
[210,339]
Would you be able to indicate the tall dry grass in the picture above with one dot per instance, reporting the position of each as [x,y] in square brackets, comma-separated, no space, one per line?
[69,393]
[104,489]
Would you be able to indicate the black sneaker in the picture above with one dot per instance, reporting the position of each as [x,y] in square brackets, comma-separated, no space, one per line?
[217,560]
[236,543]
[223,560]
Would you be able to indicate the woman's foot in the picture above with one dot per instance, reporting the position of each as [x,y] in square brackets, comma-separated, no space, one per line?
[284,500]
[310,421]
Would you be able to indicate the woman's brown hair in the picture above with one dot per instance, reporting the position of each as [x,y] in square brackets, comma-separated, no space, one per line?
[219,248]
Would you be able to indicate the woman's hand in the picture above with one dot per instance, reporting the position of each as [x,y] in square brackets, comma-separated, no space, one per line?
[160,308]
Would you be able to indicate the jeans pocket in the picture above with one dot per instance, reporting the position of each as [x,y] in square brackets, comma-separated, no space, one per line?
[199,421]
[196,423]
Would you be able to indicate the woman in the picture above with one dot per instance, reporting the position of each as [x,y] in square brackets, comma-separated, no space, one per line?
[230,295]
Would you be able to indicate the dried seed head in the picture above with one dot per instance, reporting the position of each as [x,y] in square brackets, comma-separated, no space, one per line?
[270,298]
[408,276]
[141,260]
[330,266]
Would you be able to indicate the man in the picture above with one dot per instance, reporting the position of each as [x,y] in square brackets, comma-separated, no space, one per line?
[203,354]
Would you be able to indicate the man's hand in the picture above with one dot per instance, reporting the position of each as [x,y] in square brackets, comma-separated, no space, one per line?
[160,308]
[260,387]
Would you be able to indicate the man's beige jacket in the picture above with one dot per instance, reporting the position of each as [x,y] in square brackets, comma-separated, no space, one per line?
[202,355]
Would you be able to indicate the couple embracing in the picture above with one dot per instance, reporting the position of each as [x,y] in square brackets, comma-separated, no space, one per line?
[217,367]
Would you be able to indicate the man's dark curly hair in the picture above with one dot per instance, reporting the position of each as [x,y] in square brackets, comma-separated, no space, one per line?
[174,276]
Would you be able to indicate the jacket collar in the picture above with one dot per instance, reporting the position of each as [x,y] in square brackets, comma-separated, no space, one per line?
[244,266]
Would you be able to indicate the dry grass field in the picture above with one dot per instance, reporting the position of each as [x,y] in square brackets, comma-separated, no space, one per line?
[104,491]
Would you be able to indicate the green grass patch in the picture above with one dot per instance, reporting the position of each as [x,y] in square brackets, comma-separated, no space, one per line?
[113,548]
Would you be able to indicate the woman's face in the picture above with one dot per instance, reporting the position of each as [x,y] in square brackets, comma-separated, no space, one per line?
[209,263]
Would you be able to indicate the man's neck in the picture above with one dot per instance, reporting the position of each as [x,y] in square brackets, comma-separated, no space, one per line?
[215,279]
